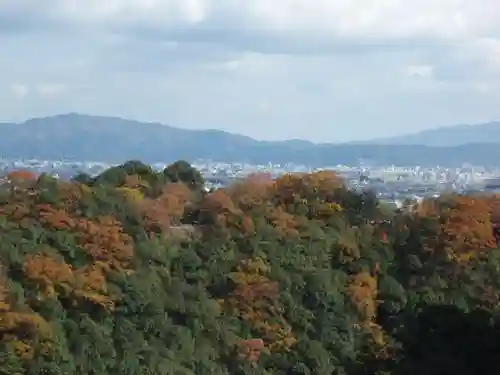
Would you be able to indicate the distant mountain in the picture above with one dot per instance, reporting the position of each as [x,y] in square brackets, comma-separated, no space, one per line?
[448,136]
[83,137]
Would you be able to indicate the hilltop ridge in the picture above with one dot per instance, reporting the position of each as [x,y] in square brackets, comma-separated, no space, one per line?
[448,136]
[85,137]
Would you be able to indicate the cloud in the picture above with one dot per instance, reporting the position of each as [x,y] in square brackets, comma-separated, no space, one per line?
[264,105]
[192,30]
[317,21]
[44,90]
[271,27]
[49,90]
[230,65]
[420,70]
[19,90]
[317,69]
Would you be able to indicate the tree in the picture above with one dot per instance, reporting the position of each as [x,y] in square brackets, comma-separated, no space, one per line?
[311,195]
[254,300]
[21,175]
[218,208]
[117,176]
[20,331]
[181,171]
[462,226]
[140,272]
[253,192]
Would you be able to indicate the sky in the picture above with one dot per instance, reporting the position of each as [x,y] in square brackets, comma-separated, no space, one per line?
[322,70]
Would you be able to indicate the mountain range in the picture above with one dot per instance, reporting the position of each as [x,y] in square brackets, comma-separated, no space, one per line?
[448,136]
[84,137]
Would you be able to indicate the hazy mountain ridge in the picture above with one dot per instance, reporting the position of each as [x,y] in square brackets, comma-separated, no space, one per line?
[84,137]
[456,135]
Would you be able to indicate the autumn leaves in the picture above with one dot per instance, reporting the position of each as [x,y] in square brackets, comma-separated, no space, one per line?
[267,272]
[458,227]
[84,235]
[284,202]
[255,300]
[56,279]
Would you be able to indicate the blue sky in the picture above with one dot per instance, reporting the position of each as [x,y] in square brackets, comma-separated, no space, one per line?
[321,70]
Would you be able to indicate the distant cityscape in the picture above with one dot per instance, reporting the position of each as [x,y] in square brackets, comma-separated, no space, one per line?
[393,185]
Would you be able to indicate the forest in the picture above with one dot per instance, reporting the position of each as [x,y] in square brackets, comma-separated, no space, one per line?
[142,272]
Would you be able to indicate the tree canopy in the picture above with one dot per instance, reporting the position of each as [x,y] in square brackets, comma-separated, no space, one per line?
[142,272]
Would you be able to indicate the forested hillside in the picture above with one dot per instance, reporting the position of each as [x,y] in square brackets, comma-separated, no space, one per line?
[138,272]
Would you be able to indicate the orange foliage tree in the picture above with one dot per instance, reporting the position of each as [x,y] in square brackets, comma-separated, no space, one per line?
[284,222]
[90,285]
[105,242]
[175,197]
[70,193]
[250,350]
[253,192]
[55,218]
[21,330]
[50,275]
[219,208]
[16,211]
[21,175]
[154,215]
[56,279]
[167,210]
[312,195]
[103,239]
[254,299]
[462,226]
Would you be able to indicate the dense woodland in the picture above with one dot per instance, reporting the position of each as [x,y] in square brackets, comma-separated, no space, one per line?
[140,272]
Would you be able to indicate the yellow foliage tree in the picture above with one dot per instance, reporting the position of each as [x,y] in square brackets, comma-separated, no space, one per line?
[132,195]
[362,289]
